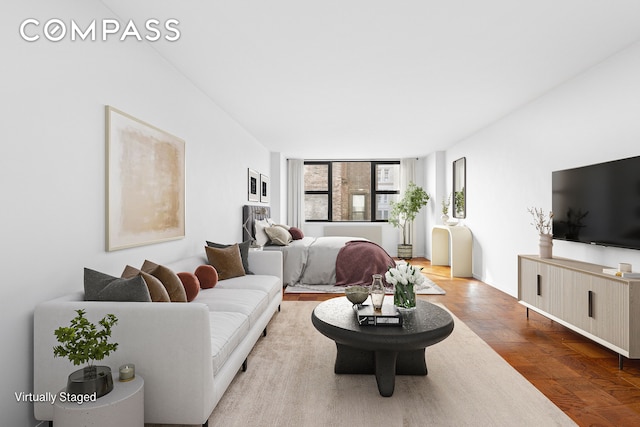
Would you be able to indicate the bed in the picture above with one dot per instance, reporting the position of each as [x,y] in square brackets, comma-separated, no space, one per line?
[326,260]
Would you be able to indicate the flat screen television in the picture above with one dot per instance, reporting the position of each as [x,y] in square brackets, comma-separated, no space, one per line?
[598,204]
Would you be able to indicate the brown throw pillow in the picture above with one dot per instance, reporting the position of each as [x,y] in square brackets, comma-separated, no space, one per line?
[156,288]
[191,285]
[226,261]
[169,279]
[207,275]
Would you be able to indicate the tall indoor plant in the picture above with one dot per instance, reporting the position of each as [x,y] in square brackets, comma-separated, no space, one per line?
[82,342]
[404,212]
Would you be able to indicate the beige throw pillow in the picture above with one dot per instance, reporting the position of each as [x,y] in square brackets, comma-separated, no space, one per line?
[278,235]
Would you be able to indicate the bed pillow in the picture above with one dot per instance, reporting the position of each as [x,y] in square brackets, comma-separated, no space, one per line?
[156,288]
[190,283]
[169,279]
[278,235]
[262,238]
[207,276]
[244,252]
[102,287]
[226,261]
[296,233]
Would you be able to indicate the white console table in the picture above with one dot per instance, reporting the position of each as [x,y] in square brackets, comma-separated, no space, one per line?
[451,245]
[123,407]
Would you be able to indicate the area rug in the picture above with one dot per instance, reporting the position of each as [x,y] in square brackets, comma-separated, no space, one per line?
[290,382]
[428,288]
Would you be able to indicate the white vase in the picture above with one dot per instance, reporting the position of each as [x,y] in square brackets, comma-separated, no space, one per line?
[546,246]
[445,218]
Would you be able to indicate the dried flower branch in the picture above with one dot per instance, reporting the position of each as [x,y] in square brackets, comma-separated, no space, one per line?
[542,222]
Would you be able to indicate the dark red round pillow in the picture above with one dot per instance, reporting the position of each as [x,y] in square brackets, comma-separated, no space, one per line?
[296,233]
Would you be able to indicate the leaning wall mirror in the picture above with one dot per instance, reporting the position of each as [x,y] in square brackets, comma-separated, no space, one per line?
[459,188]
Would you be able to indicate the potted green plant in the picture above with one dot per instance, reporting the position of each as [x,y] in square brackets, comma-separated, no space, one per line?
[83,342]
[446,202]
[403,212]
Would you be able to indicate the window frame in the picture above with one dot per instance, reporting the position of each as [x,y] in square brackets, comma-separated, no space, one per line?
[329,192]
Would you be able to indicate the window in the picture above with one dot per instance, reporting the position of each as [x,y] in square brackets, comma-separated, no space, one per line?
[350,191]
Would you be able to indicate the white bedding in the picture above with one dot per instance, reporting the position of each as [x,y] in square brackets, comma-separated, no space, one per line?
[311,260]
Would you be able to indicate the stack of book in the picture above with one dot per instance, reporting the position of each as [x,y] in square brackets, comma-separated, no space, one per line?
[388,316]
[623,274]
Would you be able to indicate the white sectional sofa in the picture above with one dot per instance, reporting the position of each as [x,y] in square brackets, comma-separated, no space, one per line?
[187,353]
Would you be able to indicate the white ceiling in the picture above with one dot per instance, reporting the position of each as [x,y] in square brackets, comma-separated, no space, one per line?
[341,79]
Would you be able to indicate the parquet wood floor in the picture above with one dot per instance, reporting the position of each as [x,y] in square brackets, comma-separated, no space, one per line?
[581,377]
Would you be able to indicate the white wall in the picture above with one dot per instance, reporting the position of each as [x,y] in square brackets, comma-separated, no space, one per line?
[52,169]
[589,119]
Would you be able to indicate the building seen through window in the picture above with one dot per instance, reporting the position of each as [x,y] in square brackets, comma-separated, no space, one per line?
[350,191]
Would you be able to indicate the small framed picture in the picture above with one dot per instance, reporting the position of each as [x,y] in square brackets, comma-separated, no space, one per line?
[253,183]
[265,191]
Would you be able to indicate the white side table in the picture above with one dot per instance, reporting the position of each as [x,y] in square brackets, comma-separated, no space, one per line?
[451,245]
[122,407]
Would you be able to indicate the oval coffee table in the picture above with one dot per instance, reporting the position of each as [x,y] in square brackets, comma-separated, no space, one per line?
[382,350]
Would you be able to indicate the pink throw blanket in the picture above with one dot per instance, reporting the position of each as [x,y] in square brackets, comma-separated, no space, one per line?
[358,260]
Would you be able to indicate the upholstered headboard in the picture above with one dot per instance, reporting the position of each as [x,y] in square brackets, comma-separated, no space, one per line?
[249,214]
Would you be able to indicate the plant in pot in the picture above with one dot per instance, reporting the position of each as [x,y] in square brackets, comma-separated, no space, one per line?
[82,342]
[446,202]
[543,223]
[402,214]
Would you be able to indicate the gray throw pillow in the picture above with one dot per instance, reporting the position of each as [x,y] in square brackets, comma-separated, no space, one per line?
[244,252]
[102,287]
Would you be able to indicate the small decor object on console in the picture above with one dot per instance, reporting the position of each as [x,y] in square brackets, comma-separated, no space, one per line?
[543,224]
[404,277]
[377,292]
[83,343]
[445,208]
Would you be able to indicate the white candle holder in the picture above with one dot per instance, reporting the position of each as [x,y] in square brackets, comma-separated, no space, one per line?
[127,372]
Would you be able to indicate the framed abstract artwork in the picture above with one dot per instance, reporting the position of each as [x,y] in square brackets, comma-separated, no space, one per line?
[265,191]
[253,184]
[145,183]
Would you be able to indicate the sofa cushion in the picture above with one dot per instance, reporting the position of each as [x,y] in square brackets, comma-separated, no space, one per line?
[190,283]
[169,280]
[207,275]
[226,261]
[244,252]
[228,329]
[103,287]
[156,288]
[251,303]
[267,284]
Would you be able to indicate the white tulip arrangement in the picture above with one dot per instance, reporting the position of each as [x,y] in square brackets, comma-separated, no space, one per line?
[404,274]
[403,278]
